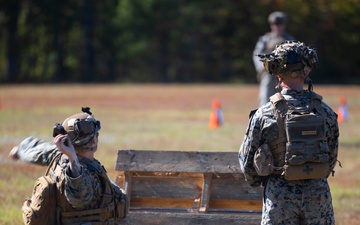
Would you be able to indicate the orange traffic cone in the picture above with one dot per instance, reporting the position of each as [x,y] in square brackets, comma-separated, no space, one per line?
[216,116]
[343,113]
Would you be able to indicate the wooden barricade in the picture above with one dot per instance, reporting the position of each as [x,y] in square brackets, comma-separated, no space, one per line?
[178,187]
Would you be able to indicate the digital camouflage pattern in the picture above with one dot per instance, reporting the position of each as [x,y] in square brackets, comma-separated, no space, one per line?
[297,202]
[281,195]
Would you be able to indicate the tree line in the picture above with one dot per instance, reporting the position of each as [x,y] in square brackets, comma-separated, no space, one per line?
[167,40]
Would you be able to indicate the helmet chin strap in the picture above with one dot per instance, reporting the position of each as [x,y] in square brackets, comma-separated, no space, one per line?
[307,71]
[310,86]
[278,84]
[88,147]
[91,149]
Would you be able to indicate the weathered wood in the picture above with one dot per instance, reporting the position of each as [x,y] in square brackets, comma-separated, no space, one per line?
[128,182]
[175,187]
[193,204]
[165,203]
[206,192]
[141,217]
[166,187]
[233,186]
[224,186]
[177,161]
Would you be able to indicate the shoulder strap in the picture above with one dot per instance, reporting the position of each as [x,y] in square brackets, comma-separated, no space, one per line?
[316,100]
[53,160]
[280,108]
[279,103]
[252,113]
[278,146]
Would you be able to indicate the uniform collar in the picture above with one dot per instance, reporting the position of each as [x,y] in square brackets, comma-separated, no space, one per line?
[294,92]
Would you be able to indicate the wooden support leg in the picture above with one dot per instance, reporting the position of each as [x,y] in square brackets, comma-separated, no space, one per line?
[128,184]
[205,195]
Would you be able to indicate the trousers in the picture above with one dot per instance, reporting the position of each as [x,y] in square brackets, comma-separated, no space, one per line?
[305,202]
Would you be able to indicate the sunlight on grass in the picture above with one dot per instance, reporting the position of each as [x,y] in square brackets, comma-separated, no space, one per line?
[343,197]
[346,203]
[10,214]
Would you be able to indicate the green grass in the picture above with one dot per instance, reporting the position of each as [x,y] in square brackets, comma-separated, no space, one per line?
[154,117]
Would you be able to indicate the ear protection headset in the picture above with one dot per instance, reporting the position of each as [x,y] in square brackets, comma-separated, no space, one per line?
[80,128]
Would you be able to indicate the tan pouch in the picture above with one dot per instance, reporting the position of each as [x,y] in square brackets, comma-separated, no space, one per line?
[122,206]
[305,171]
[264,160]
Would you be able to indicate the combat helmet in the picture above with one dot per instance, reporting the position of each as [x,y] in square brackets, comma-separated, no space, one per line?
[81,129]
[277,17]
[290,57]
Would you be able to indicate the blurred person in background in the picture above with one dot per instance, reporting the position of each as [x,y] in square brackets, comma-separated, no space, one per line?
[265,44]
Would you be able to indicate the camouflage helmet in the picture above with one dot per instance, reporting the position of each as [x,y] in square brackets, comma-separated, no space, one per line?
[81,128]
[277,17]
[290,56]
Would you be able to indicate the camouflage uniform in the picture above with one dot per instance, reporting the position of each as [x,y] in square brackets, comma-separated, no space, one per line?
[82,192]
[289,202]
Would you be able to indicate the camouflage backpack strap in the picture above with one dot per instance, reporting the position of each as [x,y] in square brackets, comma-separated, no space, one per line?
[280,108]
[53,164]
[57,173]
[277,146]
[55,170]
[316,101]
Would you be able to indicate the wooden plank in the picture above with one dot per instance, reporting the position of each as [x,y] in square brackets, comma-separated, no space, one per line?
[128,184]
[231,186]
[160,187]
[223,191]
[177,187]
[188,185]
[206,192]
[215,205]
[235,205]
[165,203]
[142,217]
[177,161]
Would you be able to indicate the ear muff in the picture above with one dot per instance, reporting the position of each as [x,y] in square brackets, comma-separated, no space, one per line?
[81,128]
[271,66]
[85,130]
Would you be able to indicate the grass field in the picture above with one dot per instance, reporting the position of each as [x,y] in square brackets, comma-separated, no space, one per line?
[171,117]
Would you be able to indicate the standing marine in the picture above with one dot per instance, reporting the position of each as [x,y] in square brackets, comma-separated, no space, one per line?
[291,143]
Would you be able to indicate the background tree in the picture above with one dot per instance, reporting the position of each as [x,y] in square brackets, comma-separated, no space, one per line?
[167,41]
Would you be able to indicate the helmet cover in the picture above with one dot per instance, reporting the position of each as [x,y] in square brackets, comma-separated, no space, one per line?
[289,56]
